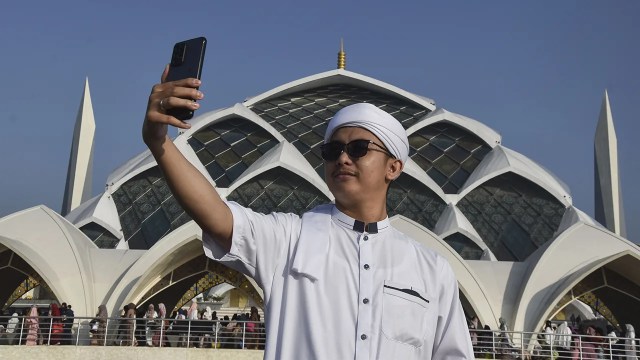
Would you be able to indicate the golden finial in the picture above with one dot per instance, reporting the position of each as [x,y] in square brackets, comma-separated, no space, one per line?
[342,61]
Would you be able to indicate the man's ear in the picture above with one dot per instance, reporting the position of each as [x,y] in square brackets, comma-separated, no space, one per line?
[394,169]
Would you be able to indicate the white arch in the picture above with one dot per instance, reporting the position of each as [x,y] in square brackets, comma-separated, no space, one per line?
[56,250]
[452,221]
[488,135]
[502,160]
[551,273]
[175,249]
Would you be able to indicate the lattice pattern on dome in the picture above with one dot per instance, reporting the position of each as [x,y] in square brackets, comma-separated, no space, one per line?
[513,215]
[229,147]
[412,199]
[302,117]
[447,153]
[147,209]
[100,236]
[278,190]
[464,246]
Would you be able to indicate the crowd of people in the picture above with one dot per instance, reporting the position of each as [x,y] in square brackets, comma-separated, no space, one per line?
[37,326]
[201,328]
[557,340]
[187,328]
[589,340]
[192,327]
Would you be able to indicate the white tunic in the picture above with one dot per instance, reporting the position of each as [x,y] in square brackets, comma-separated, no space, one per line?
[335,293]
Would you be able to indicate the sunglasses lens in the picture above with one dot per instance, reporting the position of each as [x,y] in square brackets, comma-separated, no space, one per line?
[358,148]
[355,149]
[331,151]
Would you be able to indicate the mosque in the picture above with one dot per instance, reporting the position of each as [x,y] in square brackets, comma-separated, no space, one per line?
[520,249]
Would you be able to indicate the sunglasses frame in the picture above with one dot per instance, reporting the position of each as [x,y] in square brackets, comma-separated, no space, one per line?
[349,149]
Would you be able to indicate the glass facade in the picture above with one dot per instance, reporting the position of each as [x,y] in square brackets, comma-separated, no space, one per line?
[100,236]
[447,153]
[513,216]
[412,199]
[147,209]
[278,190]
[227,148]
[464,246]
[302,117]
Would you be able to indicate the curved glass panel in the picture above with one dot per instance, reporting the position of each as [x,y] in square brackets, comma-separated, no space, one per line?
[18,277]
[229,147]
[464,246]
[412,199]
[447,153]
[100,236]
[147,209]
[278,190]
[513,216]
[302,117]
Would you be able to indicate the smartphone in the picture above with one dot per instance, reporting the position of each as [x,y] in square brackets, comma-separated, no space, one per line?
[186,62]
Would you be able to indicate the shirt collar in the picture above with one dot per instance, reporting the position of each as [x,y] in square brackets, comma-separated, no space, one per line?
[348,222]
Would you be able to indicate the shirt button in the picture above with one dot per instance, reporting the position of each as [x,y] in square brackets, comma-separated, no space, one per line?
[366,238]
[365,301]
[363,337]
[366,266]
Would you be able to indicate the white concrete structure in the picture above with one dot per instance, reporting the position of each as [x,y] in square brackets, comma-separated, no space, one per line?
[520,249]
[608,192]
[78,186]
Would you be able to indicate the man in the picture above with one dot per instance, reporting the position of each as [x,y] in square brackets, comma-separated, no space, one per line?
[67,322]
[340,282]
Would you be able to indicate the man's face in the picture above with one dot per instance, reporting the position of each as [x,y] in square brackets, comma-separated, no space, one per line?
[352,180]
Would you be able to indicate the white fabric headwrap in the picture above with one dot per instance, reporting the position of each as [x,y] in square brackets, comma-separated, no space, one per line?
[380,123]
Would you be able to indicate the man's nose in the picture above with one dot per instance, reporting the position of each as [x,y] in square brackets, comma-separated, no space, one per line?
[343,157]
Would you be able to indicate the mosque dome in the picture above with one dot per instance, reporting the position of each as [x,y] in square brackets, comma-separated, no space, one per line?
[485,200]
[519,248]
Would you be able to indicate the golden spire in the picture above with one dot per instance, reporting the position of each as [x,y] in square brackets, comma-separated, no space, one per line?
[342,61]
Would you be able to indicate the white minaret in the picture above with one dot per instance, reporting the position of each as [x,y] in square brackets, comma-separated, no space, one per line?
[608,207]
[78,186]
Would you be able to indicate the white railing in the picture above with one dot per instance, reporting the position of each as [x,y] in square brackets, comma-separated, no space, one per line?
[533,345]
[250,335]
[134,332]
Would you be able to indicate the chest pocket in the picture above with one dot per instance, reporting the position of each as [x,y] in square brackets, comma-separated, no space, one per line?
[405,313]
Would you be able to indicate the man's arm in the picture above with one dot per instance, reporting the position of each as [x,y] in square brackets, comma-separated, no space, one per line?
[190,188]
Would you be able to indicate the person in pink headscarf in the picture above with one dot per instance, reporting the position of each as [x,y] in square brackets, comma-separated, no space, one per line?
[192,314]
[33,332]
[160,335]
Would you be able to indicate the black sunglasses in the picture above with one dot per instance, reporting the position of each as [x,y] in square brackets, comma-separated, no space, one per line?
[355,149]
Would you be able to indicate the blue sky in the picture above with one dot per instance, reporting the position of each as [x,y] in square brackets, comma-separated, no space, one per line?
[534,71]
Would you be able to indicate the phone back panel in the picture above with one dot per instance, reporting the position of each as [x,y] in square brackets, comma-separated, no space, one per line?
[186,62]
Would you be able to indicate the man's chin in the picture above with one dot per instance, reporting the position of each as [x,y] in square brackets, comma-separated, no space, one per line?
[347,198]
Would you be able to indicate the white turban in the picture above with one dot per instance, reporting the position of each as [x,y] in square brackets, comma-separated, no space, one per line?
[380,123]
